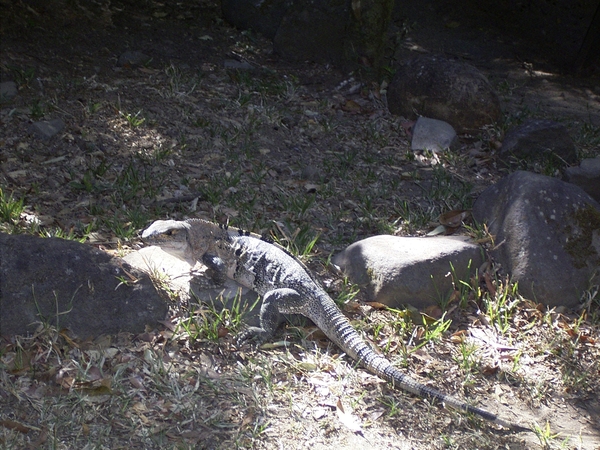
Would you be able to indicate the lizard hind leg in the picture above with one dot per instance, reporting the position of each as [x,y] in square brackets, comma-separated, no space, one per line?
[275,303]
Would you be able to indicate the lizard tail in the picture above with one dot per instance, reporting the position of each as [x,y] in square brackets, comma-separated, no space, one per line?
[347,338]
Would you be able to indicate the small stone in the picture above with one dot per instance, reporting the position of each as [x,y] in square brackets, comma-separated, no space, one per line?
[433,135]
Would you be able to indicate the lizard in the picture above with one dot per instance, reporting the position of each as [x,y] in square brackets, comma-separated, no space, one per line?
[286,287]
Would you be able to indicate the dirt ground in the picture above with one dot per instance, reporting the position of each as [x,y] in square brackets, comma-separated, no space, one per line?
[301,145]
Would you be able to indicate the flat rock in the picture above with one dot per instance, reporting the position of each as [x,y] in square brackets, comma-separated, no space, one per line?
[408,270]
[8,90]
[71,285]
[46,129]
[443,89]
[586,176]
[179,277]
[237,65]
[539,138]
[133,59]
[433,135]
[547,235]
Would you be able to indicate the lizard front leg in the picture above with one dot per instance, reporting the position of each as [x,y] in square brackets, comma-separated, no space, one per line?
[217,272]
[275,304]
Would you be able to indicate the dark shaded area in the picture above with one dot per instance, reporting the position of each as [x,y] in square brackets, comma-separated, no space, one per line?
[548,33]
[443,89]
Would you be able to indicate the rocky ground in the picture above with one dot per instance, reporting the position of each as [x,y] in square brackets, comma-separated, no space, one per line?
[299,150]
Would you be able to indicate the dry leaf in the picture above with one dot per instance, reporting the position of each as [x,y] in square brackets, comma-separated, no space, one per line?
[376,305]
[222,332]
[440,229]
[13,425]
[351,106]
[433,311]
[454,218]
[489,285]
[349,420]
[459,337]
[490,370]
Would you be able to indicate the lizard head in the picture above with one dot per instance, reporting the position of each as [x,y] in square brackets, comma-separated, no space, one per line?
[172,236]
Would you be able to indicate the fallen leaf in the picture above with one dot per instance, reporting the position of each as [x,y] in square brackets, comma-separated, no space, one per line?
[459,337]
[13,425]
[376,305]
[440,229]
[490,370]
[348,419]
[454,218]
[351,106]
[433,311]
[222,332]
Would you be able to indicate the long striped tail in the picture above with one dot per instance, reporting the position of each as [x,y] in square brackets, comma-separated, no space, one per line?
[339,329]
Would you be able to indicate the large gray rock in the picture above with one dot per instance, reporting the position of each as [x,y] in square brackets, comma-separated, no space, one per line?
[443,89]
[539,139]
[547,235]
[408,270]
[71,285]
[587,176]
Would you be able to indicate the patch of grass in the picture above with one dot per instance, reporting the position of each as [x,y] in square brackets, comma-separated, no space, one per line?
[501,305]
[72,234]
[92,178]
[463,290]
[347,292]
[178,83]
[299,242]
[429,333]
[587,139]
[413,216]
[135,183]
[124,231]
[591,303]
[545,435]
[467,359]
[296,204]
[448,190]
[133,119]
[212,320]
[37,110]
[23,76]
[10,208]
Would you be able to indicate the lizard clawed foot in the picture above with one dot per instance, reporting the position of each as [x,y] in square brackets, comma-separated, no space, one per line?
[255,334]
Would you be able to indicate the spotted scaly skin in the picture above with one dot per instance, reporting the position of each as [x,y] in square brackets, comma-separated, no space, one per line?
[286,287]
